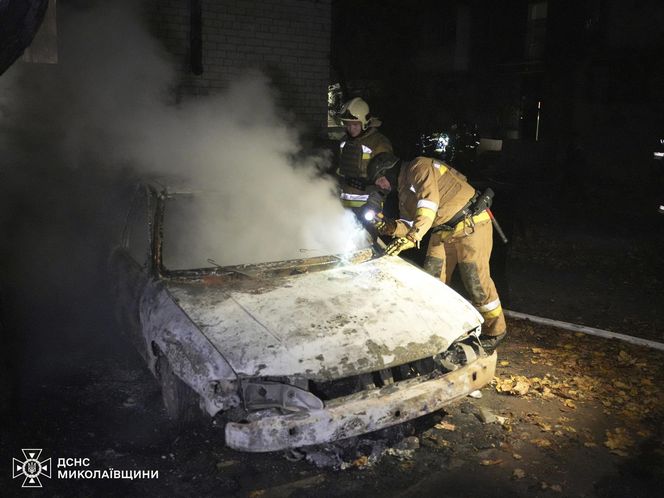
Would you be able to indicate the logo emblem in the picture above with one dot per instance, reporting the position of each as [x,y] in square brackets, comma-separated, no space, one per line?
[31,468]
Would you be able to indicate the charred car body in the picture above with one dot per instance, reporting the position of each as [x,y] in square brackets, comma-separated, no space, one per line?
[298,352]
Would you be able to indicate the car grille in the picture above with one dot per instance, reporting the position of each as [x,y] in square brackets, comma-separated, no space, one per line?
[349,385]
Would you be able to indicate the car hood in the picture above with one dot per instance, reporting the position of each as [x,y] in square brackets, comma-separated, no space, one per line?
[328,324]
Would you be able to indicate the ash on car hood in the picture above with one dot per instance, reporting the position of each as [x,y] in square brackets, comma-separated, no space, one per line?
[329,324]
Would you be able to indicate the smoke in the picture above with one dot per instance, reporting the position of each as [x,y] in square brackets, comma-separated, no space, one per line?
[109,105]
[76,134]
[270,202]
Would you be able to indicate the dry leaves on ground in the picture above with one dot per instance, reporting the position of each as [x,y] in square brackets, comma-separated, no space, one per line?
[618,441]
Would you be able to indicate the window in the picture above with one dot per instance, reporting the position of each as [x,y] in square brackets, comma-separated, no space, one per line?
[536,31]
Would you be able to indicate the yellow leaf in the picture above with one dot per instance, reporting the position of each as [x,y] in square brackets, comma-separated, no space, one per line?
[619,439]
[544,426]
[445,426]
[504,363]
[490,462]
[542,443]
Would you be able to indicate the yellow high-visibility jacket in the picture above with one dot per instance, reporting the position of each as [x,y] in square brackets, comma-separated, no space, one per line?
[431,192]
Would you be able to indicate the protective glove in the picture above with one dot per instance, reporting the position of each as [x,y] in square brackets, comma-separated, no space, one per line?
[398,245]
[385,226]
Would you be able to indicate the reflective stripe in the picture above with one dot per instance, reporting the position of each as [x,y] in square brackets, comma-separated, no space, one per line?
[423,203]
[352,204]
[366,156]
[412,189]
[489,306]
[366,150]
[442,169]
[407,222]
[354,197]
[493,313]
[426,212]
[342,144]
[483,216]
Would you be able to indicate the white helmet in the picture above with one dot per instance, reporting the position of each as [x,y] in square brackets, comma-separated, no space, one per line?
[355,110]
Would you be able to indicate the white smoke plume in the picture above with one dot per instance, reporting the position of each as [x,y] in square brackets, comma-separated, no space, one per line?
[109,105]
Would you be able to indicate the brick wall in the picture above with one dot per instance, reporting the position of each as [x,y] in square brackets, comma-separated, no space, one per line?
[288,39]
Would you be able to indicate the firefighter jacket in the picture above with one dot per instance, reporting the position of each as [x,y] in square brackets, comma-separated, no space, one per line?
[431,193]
[354,160]
[357,152]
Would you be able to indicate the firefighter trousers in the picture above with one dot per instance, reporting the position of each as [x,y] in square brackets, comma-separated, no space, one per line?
[469,248]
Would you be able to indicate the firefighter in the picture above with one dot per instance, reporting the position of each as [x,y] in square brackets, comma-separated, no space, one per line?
[434,196]
[361,143]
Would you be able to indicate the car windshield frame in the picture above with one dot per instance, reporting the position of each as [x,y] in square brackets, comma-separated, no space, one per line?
[249,270]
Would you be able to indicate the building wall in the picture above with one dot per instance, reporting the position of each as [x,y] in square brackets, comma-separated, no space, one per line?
[289,40]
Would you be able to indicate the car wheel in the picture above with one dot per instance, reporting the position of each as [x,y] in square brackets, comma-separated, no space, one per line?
[180,400]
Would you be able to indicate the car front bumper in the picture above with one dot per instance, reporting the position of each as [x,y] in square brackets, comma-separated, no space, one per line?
[362,412]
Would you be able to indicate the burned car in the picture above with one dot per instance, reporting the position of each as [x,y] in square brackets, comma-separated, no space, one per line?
[295,352]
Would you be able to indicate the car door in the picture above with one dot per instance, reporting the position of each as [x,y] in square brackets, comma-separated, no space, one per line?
[131,266]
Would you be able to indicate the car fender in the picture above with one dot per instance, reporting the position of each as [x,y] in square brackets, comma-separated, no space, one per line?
[191,355]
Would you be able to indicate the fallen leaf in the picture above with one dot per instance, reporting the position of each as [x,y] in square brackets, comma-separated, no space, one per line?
[557,488]
[542,443]
[504,363]
[490,462]
[518,474]
[516,456]
[625,359]
[620,453]
[361,461]
[445,426]
[619,439]
[544,426]
[589,444]
[521,388]
[569,403]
